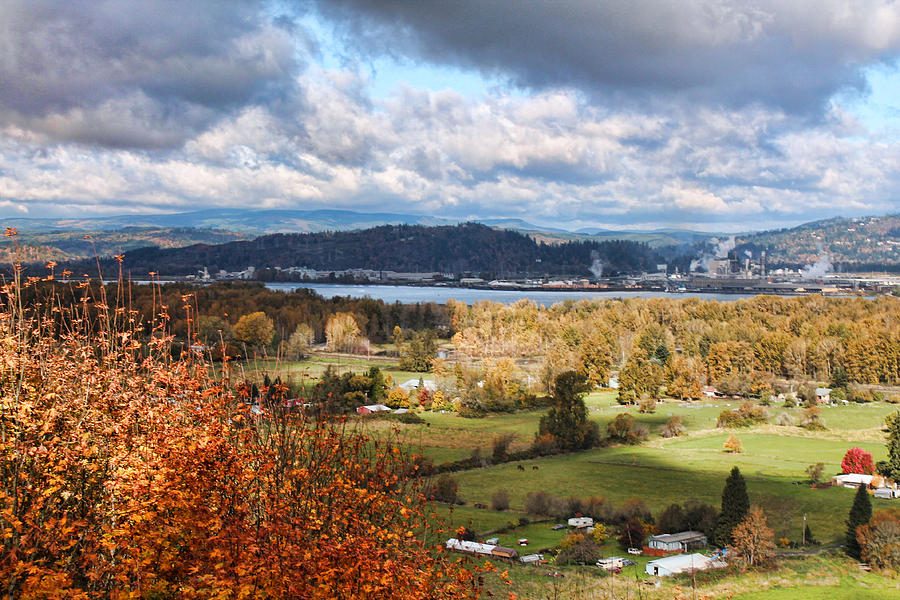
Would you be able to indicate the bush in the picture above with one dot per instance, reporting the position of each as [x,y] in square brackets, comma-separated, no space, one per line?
[673,428]
[623,428]
[578,549]
[410,418]
[636,509]
[859,394]
[500,500]
[746,415]
[647,405]
[812,418]
[544,445]
[443,489]
[500,451]
[541,503]
[784,419]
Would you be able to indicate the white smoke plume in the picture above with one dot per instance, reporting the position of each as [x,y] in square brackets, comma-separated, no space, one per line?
[721,248]
[596,265]
[821,268]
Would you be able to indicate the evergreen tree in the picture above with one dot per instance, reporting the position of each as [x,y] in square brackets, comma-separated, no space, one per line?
[860,514]
[890,468]
[567,419]
[735,505]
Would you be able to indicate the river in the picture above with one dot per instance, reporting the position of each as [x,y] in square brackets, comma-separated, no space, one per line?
[440,295]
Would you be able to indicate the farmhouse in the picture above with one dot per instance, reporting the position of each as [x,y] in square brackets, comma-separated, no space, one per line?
[823,395]
[851,480]
[682,563]
[372,408]
[674,543]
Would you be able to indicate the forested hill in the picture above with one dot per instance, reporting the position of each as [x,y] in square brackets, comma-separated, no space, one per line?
[868,243]
[465,248]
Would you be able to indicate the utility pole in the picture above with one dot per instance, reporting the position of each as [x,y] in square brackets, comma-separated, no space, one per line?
[804,529]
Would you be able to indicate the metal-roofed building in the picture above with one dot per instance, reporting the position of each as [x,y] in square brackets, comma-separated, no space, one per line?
[674,543]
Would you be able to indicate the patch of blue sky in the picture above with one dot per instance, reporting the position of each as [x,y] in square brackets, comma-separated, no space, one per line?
[877,109]
[387,75]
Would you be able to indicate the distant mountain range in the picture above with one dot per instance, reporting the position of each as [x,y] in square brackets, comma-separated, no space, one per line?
[260,222]
[870,243]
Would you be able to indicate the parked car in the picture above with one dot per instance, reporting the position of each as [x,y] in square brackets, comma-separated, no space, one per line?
[634,551]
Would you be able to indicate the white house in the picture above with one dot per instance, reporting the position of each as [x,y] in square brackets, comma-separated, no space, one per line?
[852,480]
[682,563]
[581,522]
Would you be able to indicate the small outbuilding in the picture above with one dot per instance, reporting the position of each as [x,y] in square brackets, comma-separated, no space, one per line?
[682,563]
[823,395]
[674,543]
[886,492]
[581,522]
[533,559]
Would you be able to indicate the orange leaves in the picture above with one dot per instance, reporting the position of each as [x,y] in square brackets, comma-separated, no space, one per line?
[134,476]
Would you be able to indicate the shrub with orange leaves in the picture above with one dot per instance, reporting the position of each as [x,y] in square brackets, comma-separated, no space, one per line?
[125,473]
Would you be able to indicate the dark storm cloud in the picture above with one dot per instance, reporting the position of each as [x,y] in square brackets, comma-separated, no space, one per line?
[793,55]
[134,73]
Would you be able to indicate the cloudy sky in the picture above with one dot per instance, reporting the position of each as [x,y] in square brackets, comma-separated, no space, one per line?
[710,114]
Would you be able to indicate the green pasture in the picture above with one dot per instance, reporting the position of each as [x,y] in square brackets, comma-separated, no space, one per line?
[675,472]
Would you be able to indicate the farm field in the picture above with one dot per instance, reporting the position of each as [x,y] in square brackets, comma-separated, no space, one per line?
[659,472]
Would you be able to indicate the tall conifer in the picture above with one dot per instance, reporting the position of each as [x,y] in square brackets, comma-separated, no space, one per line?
[860,513]
[735,505]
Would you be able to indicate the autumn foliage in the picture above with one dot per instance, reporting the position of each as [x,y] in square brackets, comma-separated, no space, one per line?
[127,474]
[857,460]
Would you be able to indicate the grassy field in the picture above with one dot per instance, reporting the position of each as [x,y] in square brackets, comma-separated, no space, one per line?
[659,472]
[664,471]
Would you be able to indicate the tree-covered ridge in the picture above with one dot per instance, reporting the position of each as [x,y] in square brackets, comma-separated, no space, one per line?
[859,244]
[42,246]
[466,248]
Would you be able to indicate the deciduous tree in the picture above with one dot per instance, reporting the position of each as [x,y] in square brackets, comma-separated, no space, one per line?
[753,540]
[857,460]
[255,329]
[342,333]
[879,540]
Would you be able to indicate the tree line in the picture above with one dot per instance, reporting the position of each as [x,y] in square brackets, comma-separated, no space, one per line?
[466,248]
